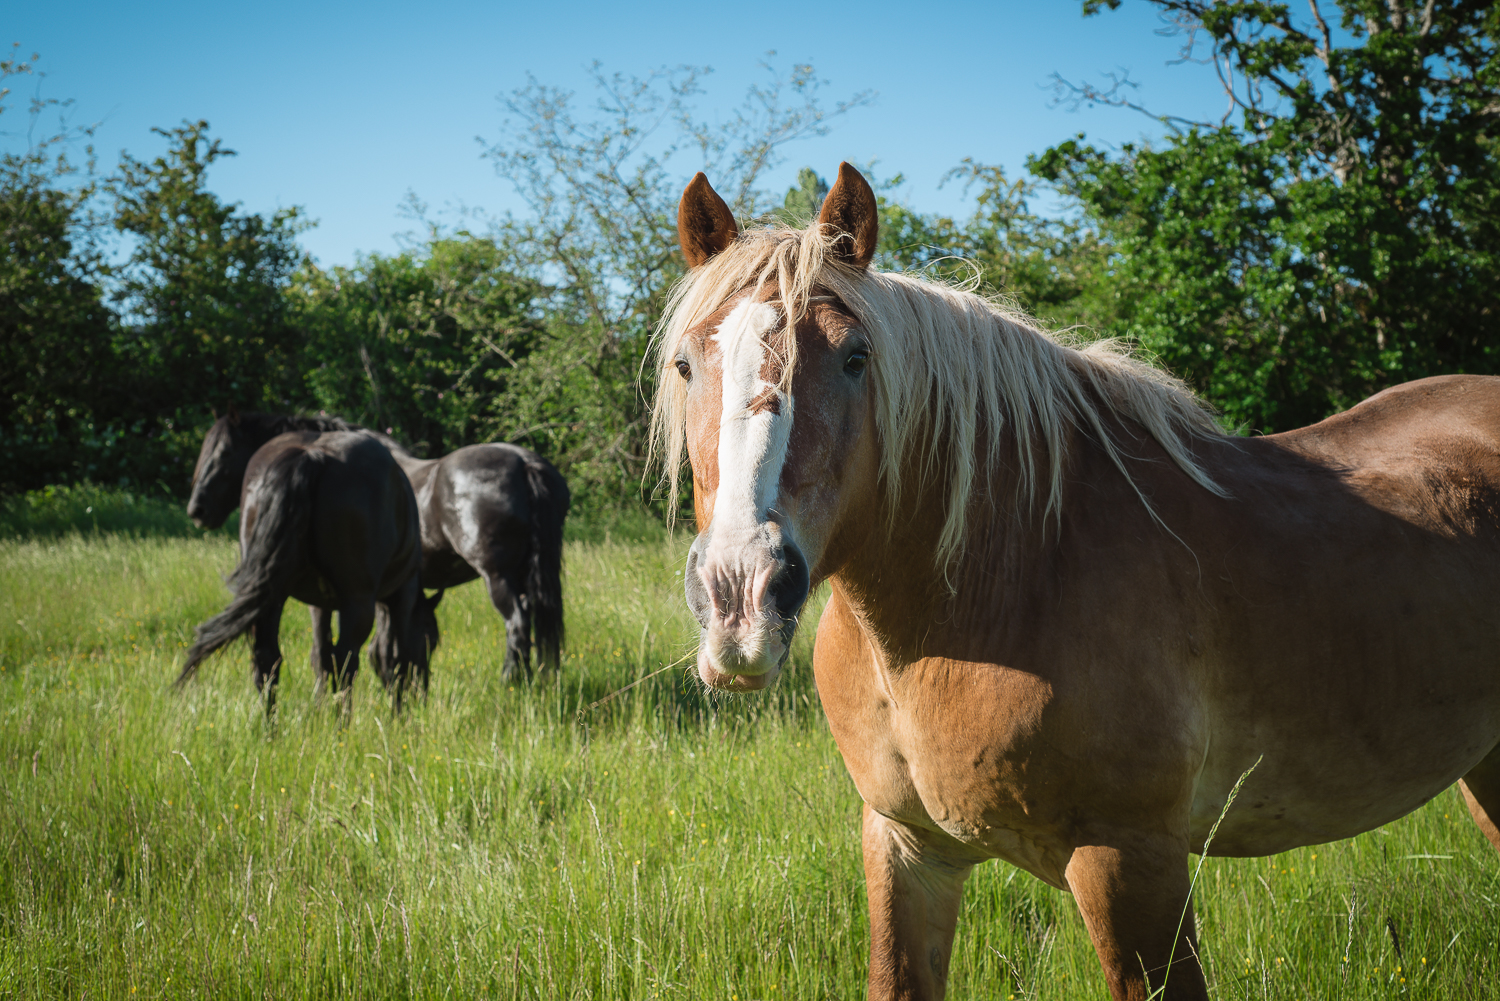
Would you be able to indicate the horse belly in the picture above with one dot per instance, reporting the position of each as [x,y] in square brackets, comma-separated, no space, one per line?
[312,588]
[1337,759]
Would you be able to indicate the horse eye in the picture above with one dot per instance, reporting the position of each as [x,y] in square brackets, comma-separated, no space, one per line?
[684,369]
[857,362]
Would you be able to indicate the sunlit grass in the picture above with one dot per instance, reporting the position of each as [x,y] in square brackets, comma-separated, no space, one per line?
[496,842]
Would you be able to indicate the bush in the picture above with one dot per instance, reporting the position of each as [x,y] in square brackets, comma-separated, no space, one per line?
[88,508]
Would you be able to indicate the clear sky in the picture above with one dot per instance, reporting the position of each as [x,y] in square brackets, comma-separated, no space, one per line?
[344,108]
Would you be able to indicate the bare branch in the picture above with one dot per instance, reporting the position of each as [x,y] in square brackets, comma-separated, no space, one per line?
[1074,96]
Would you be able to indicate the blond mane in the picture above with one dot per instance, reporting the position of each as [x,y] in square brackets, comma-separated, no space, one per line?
[945,364]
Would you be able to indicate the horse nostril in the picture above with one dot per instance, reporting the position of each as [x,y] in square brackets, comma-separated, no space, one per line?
[788,589]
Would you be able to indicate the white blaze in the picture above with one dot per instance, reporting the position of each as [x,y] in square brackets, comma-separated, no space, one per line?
[752,446]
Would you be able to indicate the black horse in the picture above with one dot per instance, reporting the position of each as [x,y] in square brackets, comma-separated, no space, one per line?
[496,511]
[329,519]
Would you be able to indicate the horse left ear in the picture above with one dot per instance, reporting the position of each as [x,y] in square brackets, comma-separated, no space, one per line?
[233,413]
[705,226]
[850,211]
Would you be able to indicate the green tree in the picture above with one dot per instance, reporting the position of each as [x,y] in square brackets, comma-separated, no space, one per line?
[1337,232]
[1047,267]
[203,297]
[803,201]
[54,324]
[420,344]
[601,187]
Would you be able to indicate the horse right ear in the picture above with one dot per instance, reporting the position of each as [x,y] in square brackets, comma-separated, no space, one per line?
[233,413]
[851,212]
[705,226]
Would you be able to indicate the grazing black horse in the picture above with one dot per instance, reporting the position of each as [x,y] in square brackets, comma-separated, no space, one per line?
[226,451]
[496,511]
[329,519]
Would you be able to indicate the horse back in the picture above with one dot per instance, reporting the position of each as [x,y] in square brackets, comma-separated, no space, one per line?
[367,526]
[1342,614]
[1429,449]
[1336,617]
[479,510]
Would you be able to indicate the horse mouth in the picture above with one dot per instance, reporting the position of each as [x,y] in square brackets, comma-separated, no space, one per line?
[726,682]
[745,661]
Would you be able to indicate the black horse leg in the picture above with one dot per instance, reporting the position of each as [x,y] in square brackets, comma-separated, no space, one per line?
[356,618]
[265,652]
[510,601]
[382,649]
[322,646]
[401,645]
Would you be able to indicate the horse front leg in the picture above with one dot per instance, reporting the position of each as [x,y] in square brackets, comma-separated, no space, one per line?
[914,893]
[322,647]
[356,619]
[1133,891]
[1481,789]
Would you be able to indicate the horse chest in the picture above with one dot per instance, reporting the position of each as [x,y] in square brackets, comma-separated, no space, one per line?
[951,748]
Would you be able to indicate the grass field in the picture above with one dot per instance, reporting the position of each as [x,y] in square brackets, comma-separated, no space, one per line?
[499,842]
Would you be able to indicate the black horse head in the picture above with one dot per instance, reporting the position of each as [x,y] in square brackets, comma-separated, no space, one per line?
[221,466]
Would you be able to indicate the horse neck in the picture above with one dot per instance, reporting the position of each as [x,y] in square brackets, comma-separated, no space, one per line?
[895,587]
[1020,562]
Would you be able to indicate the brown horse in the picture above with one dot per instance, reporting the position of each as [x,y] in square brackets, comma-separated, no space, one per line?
[1067,612]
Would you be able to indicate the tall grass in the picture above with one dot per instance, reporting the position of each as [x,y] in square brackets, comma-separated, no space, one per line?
[499,842]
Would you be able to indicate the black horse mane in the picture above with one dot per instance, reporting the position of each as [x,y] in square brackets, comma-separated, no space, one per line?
[272,425]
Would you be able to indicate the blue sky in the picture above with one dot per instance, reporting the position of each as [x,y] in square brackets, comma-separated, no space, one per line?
[343,108]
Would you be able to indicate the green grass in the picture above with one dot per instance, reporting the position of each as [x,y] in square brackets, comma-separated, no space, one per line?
[496,842]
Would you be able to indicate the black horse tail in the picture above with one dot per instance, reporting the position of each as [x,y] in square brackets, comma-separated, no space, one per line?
[549,508]
[272,555]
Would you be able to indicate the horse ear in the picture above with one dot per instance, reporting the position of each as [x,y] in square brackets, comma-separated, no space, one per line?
[705,226]
[436,600]
[850,211]
[233,413]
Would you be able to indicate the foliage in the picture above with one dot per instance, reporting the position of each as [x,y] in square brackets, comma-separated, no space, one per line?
[420,344]
[1342,236]
[601,186]
[87,508]
[803,201]
[204,296]
[54,323]
[1047,267]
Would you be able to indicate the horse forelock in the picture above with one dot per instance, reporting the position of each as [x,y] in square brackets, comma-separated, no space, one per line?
[956,376]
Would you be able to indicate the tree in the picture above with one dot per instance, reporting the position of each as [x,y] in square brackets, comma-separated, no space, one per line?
[54,323]
[1046,267]
[203,294]
[601,189]
[419,344]
[804,201]
[1340,235]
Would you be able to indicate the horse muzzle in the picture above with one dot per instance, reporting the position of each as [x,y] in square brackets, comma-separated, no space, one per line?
[746,592]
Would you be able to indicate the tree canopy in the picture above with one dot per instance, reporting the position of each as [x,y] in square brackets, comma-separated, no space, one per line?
[1336,232]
